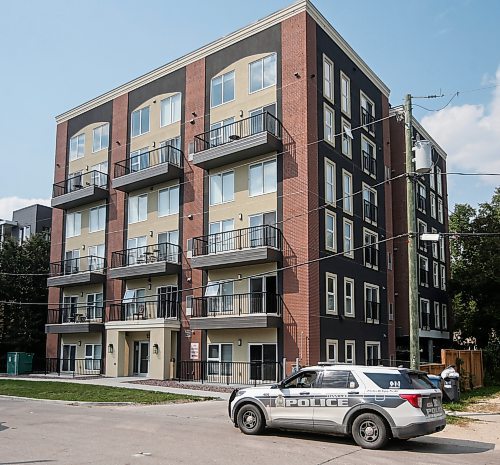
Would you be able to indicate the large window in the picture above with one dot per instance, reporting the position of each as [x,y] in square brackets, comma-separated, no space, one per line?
[348,238]
[440,214]
[435,274]
[140,121]
[349,297]
[444,317]
[443,277]
[137,208]
[98,174]
[136,248]
[222,89]
[346,138]
[345,91]
[425,315]
[94,306]
[330,231]
[170,110]
[433,204]
[372,353]
[77,147]
[369,157]
[367,113]
[421,197]
[73,224]
[442,249]
[329,125]
[369,204]
[96,257]
[262,178]
[331,294]
[168,201]
[439,180]
[221,236]
[423,270]
[100,138]
[327,78]
[437,316]
[97,218]
[219,358]
[372,303]
[221,188]
[263,73]
[329,181]
[347,191]
[93,356]
[370,249]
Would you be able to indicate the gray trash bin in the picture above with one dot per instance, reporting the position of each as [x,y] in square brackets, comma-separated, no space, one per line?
[451,385]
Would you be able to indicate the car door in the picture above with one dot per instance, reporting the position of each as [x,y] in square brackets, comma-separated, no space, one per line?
[292,401]
[338,391]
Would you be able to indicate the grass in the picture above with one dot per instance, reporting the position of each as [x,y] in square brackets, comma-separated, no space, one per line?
[459,421]
[469,398]
[54,390]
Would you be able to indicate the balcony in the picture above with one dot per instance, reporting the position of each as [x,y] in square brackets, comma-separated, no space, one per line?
[80,190]
[149,168]
[76,271]
[151,260]
[248,246]
[247,138]
[75,319]
[370,211]
[369,163]
[254,310]
[367,120]
[371,256]
[145,312]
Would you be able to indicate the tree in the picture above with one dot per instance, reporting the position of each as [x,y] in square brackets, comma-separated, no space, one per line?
[475,271]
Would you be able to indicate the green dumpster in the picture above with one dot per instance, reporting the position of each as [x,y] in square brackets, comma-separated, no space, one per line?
[19,363]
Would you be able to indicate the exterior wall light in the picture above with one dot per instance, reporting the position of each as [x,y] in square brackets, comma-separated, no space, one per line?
[155,348]
[110,348]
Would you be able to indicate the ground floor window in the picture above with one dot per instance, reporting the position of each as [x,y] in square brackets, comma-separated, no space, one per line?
[350,352]
[219,359]
[93,356]
[68,357]
[263,362]
[372,353]
[332,350]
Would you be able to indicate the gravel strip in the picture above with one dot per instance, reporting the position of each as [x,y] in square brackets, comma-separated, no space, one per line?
[180,385]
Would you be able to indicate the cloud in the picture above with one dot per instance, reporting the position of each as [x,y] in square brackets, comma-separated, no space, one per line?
[470,135]
[9,204]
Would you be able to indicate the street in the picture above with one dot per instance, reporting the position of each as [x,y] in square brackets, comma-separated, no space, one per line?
[39,432]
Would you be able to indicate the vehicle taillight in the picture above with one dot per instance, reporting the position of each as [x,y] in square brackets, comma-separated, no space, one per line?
[414,399]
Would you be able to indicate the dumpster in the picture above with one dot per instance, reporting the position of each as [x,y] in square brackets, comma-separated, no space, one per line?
[19,363]
[451,386]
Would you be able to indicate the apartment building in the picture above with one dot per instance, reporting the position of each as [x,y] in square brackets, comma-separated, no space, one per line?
[226,214]
[26,221]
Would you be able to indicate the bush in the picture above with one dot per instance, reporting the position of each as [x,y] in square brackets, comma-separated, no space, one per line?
[491,361]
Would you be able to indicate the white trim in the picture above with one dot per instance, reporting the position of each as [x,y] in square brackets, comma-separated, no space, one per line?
[350,252]
[348,80]
[334,216]
[335,311]
[353,344]
[329,163]
[335,343]
[371,286]
[344,196]
[353,307]
[372,343]
[331,99]
[328,108]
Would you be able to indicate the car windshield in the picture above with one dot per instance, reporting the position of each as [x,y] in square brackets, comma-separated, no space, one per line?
[401,380]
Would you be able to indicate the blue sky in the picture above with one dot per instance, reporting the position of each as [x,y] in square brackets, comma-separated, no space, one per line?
[58,54]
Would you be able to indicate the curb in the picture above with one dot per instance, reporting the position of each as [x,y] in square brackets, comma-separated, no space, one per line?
[72,402]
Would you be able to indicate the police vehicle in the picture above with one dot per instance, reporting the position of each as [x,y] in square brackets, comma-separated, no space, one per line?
[373,404]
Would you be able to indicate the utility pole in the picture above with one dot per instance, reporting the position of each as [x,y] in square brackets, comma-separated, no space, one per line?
[412,241]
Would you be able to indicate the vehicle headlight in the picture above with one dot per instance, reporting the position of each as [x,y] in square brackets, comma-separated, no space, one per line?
[240,393]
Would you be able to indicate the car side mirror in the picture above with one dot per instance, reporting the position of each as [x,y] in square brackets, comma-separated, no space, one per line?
[277,386]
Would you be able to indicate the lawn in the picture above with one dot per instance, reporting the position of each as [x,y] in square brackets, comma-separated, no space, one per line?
[470,399]
[54,390]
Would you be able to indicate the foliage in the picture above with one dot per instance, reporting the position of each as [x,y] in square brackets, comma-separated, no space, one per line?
[469,398]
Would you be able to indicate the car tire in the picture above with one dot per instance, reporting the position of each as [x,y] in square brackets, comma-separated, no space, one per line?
[370,431]
[250,419]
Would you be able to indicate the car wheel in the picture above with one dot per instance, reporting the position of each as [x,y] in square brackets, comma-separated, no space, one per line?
[250,420]
[369,431]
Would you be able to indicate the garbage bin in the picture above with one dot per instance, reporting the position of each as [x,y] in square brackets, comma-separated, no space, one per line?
[19,363]
[451,386]
[435,380]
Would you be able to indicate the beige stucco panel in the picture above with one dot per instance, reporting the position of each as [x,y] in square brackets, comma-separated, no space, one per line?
[158,281]
[86,237]
[79,290]
[80,340]
[241,286]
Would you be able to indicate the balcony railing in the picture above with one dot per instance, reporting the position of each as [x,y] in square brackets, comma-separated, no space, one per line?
[79,313]
[372,311]
[78,265]
[263,122]
[257,303]
[371,254]
[80,181]
[74,366]
[246,238]
[369,163]
[370,211]
[142,161]
[367,120]
[238,373]
[162,252]
[145,310]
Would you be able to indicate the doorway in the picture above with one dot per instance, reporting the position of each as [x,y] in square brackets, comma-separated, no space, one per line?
[263,297]
[141,358]
[263,362]
[68,357]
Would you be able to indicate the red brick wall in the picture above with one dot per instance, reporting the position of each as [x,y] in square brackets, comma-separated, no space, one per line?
[193,195]
[300,170]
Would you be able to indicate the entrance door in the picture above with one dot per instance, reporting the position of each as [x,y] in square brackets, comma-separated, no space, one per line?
[70,304]
[68,357]
[141,358]
[263,364]
[259,235]
[263,295]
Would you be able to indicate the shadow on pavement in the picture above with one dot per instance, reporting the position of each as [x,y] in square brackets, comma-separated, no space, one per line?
[441,446]
[2,426]
[26,462]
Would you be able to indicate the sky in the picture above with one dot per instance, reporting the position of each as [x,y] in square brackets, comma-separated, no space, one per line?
[58,54]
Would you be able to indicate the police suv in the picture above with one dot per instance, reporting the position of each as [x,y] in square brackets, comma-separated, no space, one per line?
[373,404]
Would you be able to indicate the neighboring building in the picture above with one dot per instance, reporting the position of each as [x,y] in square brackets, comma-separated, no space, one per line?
[433,257]
[185,199]
[25,222]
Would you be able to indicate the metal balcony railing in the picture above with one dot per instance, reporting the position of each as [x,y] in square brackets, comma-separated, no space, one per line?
[145,310]
[78,313]
[371,255]
[80,181]
[367,120]
[369,163]
[142,161]
[74,366]
[370,211]
[257,303]
[78,265]
[246,238]
[162,252]
[263,122]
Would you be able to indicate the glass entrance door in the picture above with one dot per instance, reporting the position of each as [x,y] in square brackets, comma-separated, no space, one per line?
[263,362]
[141,358]
[68,357]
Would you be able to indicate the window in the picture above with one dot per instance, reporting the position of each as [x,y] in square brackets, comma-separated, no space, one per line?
[100,138]
[327,78]
[331,294]
[97,218]
[24,233]
[440,211]
[348,239]
[170,151]
[367,113]
[372,304]
[72,261]
[435,245]
[137,208]
[350,352]
[96,257]
[136,248]
[168,201]
[439,180]
[73,224]
[329,125]
[222,89]
[94,306]
[432,177]
[370,249]
[263,119]
[444,316]
[442,249]
[349,297]
[99,174]
[167,250]
[425,315]
[423,270]
[421,197]
[140,121]
[435,274]
[76,147]
[139,159]
[93,356]
[372,353]
[262,178]
[443,277]
[433,204]
[345,91]
[369,204]
[422,229]
[263,230]
[330,239]
[391,311]
[329,181]
[369,157]
[346,139]
[221,188]
[134,303]
[170,110]
[221,131]
[219,358]
[221,237]
[332,350]
[347,191]
[437,316]
[263,73]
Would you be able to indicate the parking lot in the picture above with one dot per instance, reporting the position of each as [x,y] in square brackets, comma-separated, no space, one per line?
[48,432]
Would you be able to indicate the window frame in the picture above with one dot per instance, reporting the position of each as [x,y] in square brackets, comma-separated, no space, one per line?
[423,260]
[263,164]
[328,83]
[369,232]
[101,146]
[328,109]
[444,317]
[352,343]
[345,136]
[437,316]
[435,274]
[362,95]
[432,199]
[372,287]
[329,164]
[163,104]
[351,282]
[443,277]
[346,195]
[371,190]
[333,215]
[221,174]
[73,216]
[141,132]
[101,222]
[439,181]
[333,278]
[176,206]
[373,153]
[136,198]
[334,343]
[440,211]
[372,344]
[75,156]
[350,253]
[250,91]
[223,102]
[347,112]
[428,312]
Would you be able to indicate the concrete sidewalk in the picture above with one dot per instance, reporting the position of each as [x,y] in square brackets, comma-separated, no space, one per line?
[127,382]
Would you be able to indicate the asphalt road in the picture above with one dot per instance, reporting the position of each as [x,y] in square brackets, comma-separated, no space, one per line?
[37,432]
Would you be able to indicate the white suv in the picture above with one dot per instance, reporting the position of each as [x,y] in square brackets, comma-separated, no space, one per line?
[373,404]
